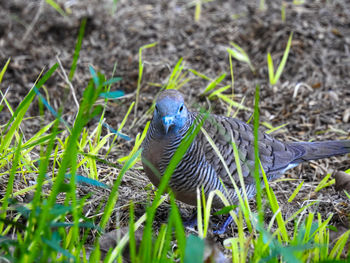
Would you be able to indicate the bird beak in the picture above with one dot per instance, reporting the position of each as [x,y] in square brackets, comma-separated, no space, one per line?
[168,121]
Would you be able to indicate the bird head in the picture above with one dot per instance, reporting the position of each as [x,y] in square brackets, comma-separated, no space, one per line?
[170,112]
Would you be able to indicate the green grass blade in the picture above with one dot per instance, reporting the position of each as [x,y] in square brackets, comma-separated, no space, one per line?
[284,59]
[179,228]
[275,208]
[283,12]
[233,103]
[42,100]
[324,183]
[270,69]
[9,187]
[338,248]
[95,79]
[214,83]
[199,74]
[238,53]
[125,117]
[256,155]
[197,12]
[140,76]
[257,177]
[295,192]
[273,129]
[56,7]
[177,78]
[40,180]
[347,194]
[321,225]
[175,74]
[219,91]
[132,241]
[111,81]
[56,247]
[294,215]
[114,192]
[194,249]
[2,73]
[77,49]
[232,75]
[116,94]
[18,115]
[159,244]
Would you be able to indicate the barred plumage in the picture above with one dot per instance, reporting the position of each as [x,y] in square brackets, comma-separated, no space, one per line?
[201,166]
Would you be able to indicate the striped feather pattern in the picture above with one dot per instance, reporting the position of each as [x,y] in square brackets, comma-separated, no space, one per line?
[201,166]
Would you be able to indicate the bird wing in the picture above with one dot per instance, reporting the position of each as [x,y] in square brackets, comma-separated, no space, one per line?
[275,156]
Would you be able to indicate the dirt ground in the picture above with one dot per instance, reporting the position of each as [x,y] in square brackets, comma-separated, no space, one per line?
[312,97]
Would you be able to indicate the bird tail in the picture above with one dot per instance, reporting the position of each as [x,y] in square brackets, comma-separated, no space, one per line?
[306,151]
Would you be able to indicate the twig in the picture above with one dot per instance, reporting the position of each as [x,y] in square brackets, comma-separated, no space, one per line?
[34,21]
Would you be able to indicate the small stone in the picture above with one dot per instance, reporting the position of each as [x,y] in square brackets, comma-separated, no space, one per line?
[346,115]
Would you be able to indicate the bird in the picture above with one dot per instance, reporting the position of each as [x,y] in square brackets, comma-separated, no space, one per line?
[201,167]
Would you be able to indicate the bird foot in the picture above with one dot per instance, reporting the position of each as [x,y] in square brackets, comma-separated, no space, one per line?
[223,228]
[191,222]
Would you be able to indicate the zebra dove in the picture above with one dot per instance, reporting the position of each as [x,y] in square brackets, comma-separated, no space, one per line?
[201,166]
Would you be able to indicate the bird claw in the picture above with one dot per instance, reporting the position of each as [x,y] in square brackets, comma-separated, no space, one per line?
[191,222]
[223,228]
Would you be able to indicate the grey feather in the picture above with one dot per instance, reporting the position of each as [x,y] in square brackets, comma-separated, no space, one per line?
[201,166]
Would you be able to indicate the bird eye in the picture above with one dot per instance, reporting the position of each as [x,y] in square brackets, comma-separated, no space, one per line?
[181,108]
